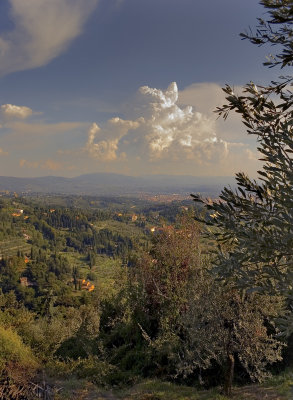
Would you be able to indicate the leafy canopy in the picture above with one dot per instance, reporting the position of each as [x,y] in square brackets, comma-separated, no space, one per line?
[256,220]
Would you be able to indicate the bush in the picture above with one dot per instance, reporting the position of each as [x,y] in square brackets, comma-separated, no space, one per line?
[17,365]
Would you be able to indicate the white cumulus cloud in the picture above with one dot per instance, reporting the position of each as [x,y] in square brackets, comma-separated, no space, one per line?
[13,111]
[162,131]
[205,97]
[103,144]
[43,29]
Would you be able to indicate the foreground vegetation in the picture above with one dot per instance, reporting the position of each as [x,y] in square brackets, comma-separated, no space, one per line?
[82,309]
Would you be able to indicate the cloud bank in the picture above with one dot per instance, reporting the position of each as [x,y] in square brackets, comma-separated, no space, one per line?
[43,29]
[48,165]
[34,139]
[162,131]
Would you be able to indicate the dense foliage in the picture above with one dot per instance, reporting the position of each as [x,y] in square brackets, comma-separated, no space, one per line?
[253,224]
[256,218]
[103,295]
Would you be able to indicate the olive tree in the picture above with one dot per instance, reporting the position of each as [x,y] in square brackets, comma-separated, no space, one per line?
[191,320]
[223,325]
[256,219]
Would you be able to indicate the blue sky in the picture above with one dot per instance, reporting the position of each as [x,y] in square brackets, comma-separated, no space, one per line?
[89,86]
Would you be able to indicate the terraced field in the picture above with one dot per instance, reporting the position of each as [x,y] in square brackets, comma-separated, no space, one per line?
[10,247]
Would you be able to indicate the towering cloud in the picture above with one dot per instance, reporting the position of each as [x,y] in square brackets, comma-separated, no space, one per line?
[162,131]
[42,30]
[103,144]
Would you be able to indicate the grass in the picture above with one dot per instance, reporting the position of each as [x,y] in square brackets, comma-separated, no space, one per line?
[69,387]
[277,388]
[75,389]
[119,227]
[10,247]
[282,383]
[109,276]
[130,230]
[158,390]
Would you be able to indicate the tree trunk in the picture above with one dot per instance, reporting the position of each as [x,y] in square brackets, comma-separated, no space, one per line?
[229,374]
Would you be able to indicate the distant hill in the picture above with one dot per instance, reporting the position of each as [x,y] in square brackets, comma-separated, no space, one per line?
[116,184]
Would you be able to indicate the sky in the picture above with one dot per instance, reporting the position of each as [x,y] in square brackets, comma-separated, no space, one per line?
[125,86]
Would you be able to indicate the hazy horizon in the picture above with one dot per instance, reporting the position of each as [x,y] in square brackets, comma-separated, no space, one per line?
[118,174]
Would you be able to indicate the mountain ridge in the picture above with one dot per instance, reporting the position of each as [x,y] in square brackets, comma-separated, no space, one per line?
[112,183]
